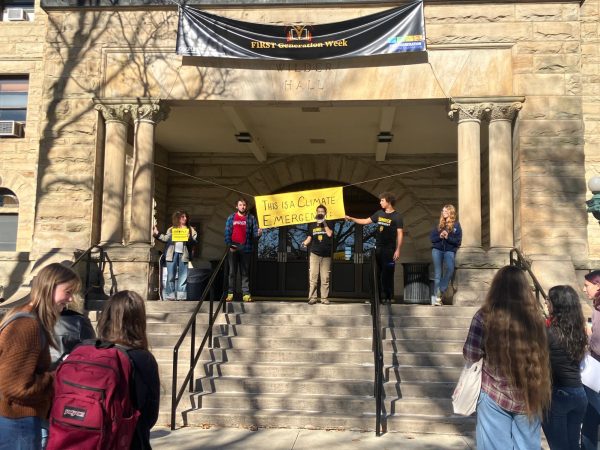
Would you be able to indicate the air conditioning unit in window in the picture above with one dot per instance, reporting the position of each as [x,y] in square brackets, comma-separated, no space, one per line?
[16,14]
[10,128]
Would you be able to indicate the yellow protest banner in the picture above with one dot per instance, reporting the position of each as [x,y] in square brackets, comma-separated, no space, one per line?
[180,234]
[294,208]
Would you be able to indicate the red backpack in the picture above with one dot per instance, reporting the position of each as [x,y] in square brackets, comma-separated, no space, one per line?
[92,406]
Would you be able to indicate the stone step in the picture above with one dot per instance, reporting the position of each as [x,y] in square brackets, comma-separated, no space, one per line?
[289,356]
[419,389]
[293,419]
[290,370]
[426,332]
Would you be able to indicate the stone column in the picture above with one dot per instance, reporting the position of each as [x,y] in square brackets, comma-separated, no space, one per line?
[146,117]
[113,192]
[501,179]
[469,170]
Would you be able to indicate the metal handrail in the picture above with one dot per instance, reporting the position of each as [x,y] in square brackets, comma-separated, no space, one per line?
[176,395]
[377,346]
[522,263]
[88,253]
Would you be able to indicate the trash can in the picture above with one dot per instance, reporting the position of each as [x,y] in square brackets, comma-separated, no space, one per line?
[196,283]
[416,283]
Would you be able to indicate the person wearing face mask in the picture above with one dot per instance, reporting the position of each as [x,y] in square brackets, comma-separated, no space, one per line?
[26,334]
[446,237]
[319,239]
[240,230]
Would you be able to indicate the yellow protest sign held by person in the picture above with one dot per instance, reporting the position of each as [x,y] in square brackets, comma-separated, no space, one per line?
[295,208]
[180,234]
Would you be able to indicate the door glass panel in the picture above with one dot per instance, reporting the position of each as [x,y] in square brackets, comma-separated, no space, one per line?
[368,238]
[268,244]
[295,235]
[343,238]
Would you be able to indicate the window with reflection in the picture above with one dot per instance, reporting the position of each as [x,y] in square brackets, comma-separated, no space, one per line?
[343,239]
[295,235]
[9,220]
[368,237]
[268,244]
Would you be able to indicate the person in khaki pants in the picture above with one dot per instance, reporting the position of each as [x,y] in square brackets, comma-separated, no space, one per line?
[319,239]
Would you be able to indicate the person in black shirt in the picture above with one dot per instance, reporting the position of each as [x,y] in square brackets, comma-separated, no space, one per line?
[319,239]
[388,241]
[567,342]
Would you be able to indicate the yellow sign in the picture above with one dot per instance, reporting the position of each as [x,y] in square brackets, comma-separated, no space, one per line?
[180,234]
[294,208]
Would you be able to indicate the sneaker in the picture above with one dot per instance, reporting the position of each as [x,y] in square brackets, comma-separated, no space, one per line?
[247,298]
[312,301]
[229,297]
[325,301]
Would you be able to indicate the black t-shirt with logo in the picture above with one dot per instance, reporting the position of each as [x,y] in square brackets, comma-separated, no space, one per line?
[320,244]
[387,228]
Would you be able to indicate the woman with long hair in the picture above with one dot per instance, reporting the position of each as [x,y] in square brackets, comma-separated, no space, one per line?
[123,322]
[567,343]
[446,237]
[508,332]
[25,339]
[591,420]
[180,238]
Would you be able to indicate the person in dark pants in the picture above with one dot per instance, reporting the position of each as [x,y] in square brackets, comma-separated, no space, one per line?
[388,241]
[567,342]
[240,230]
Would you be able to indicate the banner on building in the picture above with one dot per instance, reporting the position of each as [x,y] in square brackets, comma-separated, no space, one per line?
[396,30]
[295,208]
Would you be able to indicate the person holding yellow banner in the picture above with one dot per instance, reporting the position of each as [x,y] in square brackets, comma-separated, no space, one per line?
[179,239]
[388,242]
[319,239]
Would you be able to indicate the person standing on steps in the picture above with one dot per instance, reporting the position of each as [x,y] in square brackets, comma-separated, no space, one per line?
[319,239]
[388,241]
[240,230]
[446,237]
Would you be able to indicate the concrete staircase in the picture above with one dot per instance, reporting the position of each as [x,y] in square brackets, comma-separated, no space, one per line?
[292,365]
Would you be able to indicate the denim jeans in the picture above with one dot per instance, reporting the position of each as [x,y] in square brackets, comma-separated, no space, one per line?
[441,258]
[238,260]
[498,429]
[591,420]
[20,434]
[176,269]
[562,424]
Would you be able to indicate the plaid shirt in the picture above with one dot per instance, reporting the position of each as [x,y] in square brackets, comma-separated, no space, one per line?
[251,231]
[493,384]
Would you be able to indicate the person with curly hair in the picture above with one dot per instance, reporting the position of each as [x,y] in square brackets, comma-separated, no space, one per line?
[445,237]
[508,332]
[591,420]
[567,343]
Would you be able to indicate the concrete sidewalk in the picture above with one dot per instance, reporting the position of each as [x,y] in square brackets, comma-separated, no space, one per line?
[291,439]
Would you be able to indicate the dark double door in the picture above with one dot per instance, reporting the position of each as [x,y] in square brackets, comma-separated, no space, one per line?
[281,267]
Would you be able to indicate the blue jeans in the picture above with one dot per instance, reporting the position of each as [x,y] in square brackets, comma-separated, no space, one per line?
[498,429]
[562,424]
[176,269]
[441,258]
[20,434]
[591,420]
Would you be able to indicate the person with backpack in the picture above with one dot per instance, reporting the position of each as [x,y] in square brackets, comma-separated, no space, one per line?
[107,391]
[25,339]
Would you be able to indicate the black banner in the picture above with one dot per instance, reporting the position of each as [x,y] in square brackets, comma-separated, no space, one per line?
[396,30]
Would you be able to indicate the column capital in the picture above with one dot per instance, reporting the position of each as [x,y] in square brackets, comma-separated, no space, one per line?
[151,112]
[505,111]
[473,112]
[114,113]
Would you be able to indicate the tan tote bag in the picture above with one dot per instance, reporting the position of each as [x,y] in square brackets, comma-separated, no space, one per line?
[466,393]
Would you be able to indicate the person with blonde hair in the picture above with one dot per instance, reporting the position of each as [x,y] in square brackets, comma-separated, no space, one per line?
[509,333]
[123,322]
[26,334]
[446,237]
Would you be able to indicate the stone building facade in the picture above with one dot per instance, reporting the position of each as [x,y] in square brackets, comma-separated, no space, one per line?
[510,90]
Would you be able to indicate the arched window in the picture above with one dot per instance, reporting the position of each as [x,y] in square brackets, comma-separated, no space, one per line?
[9,220]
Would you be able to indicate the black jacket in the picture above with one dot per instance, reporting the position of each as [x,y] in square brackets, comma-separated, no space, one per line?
[146,383]
[71,329]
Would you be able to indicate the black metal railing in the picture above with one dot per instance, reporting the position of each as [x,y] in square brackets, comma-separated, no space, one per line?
[377,347]
[518,260]
[101,260]
[177,394]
